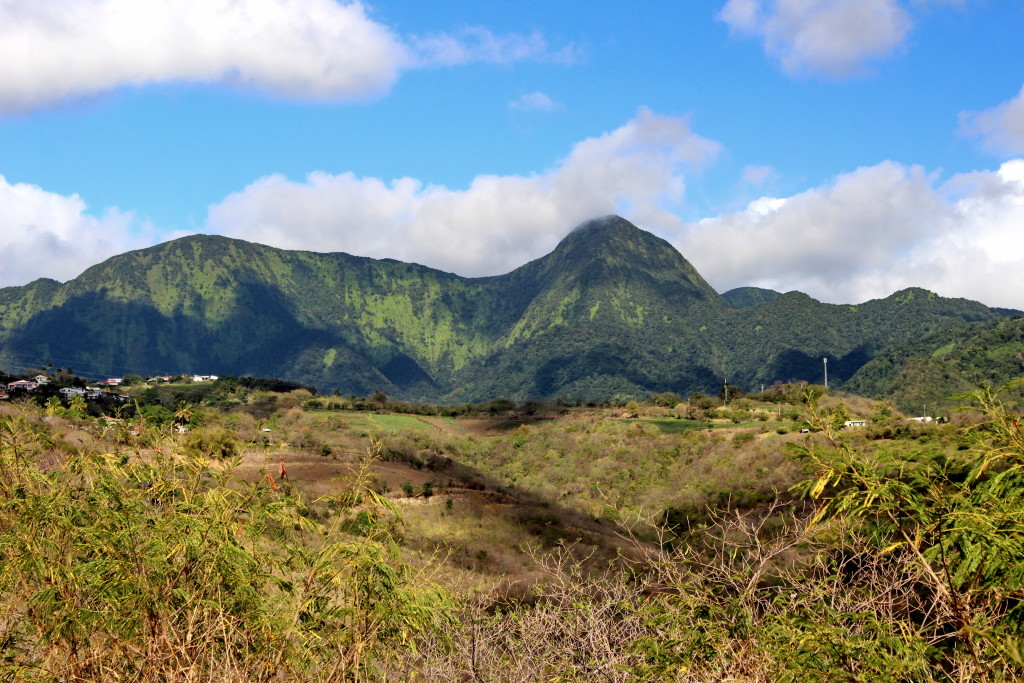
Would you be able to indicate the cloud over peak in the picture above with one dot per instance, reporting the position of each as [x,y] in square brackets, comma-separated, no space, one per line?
[494,225]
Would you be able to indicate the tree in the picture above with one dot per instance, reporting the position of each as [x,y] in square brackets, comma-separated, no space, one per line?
[667,399]
[53,405]
[956,524]
[839,415]
[183,413]
[79,405]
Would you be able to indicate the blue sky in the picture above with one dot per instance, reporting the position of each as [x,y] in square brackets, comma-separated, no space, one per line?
[845,148]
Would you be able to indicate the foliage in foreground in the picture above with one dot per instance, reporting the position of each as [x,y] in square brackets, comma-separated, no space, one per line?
[117,567]
[903,572]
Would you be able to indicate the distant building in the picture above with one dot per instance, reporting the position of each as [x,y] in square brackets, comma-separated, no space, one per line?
[855,423]
[22,385]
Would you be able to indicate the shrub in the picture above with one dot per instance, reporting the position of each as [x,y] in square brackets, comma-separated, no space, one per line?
[950,522]
[118,568]
[212,443]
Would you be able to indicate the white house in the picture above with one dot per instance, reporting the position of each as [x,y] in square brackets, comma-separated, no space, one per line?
[23,384]
[855,423]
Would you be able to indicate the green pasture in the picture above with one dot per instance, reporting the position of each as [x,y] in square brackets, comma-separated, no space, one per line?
[396,423]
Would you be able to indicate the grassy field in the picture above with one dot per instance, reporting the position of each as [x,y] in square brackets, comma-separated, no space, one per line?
[397,423]
[673,426]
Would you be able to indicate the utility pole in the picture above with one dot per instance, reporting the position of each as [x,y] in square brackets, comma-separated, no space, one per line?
[726,392]
[826,372]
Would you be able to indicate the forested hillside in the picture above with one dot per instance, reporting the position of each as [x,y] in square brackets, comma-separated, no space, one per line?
[930,371]
[612,312]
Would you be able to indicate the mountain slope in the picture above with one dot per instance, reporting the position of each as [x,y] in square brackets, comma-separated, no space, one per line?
[613,310]
[931,370]
[745,297]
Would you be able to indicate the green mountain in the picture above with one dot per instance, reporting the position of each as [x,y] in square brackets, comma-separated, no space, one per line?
[932,370]
[745,297]
[613,310]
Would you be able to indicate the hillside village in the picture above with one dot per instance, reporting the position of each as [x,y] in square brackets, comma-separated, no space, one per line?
[67,385]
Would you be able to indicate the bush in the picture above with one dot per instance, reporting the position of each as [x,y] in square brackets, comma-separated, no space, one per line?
[115,568]
[212,443]
[950,522]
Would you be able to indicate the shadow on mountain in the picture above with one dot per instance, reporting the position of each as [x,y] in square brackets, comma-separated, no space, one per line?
[100,336]
[406,374]
[796,365]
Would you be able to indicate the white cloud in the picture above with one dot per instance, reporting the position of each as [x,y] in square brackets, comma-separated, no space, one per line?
[865,235]
[535,101]
[496,224]
[872,232]
[43,234]
[478,44]
[307,49]
[834,38]
[1001,128]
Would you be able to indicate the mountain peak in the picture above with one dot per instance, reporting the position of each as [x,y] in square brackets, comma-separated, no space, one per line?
[611,249]
[603,229]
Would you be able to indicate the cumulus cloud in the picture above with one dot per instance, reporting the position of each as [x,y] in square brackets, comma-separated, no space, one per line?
[1000,129]
[535,101]
[494,225]
[306,49]
[872,232]
[864,235]
[833,38]
[43,234]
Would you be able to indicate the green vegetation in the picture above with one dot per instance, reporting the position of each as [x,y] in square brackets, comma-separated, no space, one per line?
[257,535]
[745,297]
[395,423]
[116,566]
[933,370]
[612,314]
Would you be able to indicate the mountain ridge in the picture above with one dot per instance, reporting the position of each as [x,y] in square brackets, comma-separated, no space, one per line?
[611,311]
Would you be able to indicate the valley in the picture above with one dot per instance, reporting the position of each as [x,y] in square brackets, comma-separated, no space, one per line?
[656,539]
